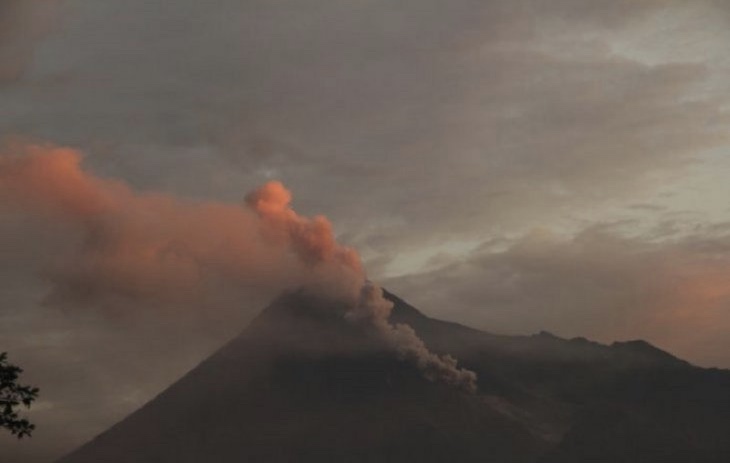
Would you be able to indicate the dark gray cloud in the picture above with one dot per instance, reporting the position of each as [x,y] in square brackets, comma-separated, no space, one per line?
[23,23]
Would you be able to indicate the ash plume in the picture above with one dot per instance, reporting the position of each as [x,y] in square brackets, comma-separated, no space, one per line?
[153,246]
[374,308]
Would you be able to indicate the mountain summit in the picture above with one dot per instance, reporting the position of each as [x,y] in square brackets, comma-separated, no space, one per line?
[302,384]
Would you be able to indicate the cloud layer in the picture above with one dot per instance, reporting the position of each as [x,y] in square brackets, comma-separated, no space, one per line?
[598,284]
[453,120]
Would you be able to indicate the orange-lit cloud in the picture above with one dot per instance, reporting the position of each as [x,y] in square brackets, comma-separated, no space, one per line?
[137,244]
[312,239]
[142,246]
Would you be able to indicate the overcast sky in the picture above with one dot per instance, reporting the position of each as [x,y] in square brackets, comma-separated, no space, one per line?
[515,165]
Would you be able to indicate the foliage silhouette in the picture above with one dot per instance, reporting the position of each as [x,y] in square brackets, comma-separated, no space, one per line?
[12,396]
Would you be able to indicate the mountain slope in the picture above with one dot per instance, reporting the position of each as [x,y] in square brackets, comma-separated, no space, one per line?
[301,384]
[627,402]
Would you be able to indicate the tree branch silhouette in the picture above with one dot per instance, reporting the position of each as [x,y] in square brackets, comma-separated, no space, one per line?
[12,397]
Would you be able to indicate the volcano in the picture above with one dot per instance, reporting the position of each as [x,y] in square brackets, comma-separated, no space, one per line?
[302,384]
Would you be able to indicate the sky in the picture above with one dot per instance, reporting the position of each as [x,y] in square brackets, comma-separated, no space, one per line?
[516,166]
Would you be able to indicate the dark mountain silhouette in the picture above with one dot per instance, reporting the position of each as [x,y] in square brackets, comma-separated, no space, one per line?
[302,384]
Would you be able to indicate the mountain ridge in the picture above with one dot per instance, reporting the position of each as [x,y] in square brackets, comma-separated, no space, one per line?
[301,384]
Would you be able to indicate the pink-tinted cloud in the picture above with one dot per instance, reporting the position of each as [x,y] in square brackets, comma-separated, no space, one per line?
[138,247]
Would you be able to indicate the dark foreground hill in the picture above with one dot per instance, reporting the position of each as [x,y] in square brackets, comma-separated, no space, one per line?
[300,384]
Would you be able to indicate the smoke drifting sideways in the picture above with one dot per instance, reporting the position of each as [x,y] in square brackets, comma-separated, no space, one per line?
[147,246]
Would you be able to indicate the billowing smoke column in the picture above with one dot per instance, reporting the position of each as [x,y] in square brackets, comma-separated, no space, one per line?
[154,246]
[314,242]
[376,309]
